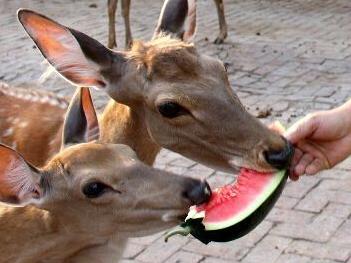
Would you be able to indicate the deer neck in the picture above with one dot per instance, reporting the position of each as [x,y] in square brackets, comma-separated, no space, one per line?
[39,234]
[120,124]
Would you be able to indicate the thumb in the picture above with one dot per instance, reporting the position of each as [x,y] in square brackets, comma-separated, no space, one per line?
[302,129]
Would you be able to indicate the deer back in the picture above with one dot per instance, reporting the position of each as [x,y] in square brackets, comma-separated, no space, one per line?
[31,121]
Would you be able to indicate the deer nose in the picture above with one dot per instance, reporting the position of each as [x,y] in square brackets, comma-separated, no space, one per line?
[197,192]
[280,159]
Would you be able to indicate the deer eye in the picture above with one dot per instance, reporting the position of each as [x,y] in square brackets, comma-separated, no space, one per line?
[95,189]
[171,110]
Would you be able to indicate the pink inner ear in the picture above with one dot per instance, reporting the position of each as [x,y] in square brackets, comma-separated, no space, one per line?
[6,191]
[16,179]
[90,114]
[188,35]
[61,49]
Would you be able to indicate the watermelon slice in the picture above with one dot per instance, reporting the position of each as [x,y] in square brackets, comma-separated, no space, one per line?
[234,210]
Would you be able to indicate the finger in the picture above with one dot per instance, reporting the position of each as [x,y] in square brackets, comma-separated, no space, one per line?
[316,150]
[300,168]
[301,129]
[315,166]
[296,158]
[294,177]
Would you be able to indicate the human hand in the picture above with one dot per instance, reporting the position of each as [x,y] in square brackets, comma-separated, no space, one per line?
[321,140]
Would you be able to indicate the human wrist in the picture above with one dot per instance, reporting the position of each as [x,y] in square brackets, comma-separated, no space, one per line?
[345,113]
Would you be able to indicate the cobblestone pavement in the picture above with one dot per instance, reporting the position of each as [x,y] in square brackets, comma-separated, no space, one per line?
[287,58]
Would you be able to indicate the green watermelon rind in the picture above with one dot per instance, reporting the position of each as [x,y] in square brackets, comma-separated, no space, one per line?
[269,189]
[240,229]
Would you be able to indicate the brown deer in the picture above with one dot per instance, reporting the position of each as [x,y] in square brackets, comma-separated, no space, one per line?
[125,4]
[88,199]
[165,94]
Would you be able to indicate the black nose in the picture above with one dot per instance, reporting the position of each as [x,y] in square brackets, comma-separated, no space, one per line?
[280,159]
[197,192]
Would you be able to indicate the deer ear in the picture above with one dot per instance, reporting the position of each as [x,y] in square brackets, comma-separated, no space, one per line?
[19,181]
[76,56]
[172,19]
[81,123]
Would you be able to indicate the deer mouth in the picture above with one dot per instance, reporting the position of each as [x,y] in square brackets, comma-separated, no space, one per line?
[175,216]
[238,164]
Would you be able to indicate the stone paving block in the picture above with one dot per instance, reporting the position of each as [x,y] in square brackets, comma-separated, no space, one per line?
[293,258]
[184,257]
[298,190]
[289,216]
[217,260]
[321,251]
[286,202]
[343,235]
[345,164]
[227,251]
[314,201]
[128,261]
[336,185]
[268,250]
[183,162]
[199,171]
[340,197]
[234,250]
[321,229]
[337,210]
[335,174]
[132,250]
[159,251]
[176,169]
[147,240]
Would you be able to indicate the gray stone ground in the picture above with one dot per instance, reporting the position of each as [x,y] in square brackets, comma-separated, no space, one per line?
[287,57]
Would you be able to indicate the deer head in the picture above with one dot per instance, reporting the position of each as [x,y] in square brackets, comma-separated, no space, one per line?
[184,97]
[97,189]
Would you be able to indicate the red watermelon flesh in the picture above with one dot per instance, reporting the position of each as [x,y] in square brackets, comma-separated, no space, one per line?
[232,203]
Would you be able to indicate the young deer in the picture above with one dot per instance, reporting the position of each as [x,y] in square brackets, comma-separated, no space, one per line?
[88,199]
[165,94]
[112,7]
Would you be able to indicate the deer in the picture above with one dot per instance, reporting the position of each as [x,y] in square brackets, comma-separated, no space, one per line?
[88,199]
[163,94]
[125,4]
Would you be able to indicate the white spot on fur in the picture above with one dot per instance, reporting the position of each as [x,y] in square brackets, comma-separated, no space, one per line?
[27,97]
[7,132]
[33,95]
[54,102]
[44,99]
[23,124]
